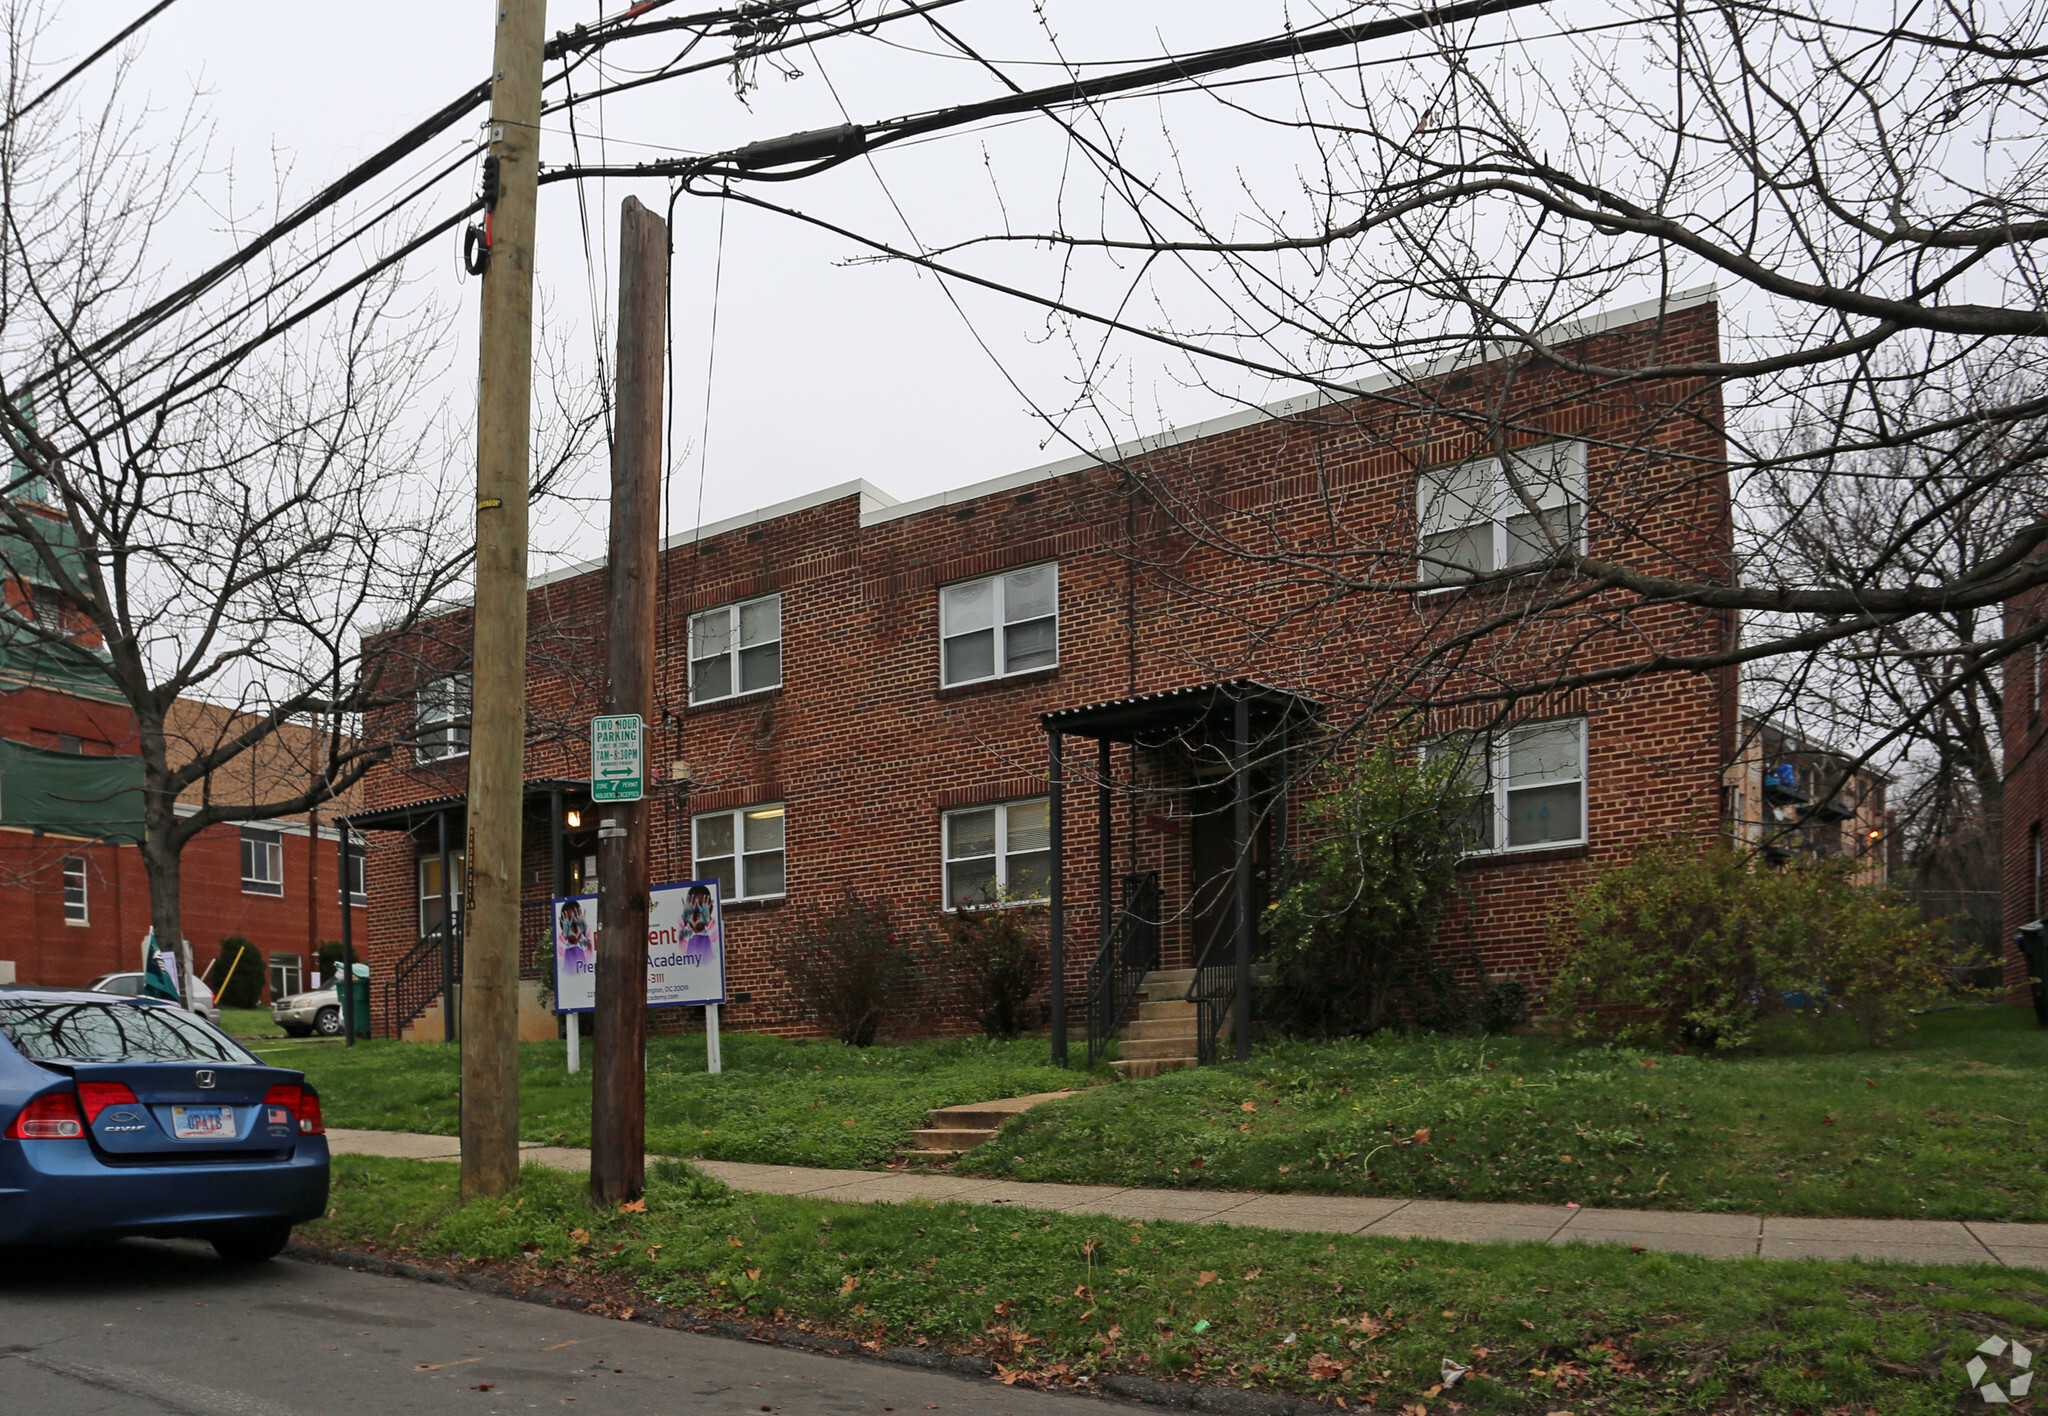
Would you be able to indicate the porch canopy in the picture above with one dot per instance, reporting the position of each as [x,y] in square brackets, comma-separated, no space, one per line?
[435,958]
[1260,720]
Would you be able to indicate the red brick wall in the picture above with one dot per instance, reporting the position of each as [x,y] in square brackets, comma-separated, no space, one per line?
[2026,786]
[866,749]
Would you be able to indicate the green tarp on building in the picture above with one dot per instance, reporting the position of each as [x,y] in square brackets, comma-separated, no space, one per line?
[69,794]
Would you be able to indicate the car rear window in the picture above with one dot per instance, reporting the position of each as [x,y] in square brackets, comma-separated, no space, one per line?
[71,1031]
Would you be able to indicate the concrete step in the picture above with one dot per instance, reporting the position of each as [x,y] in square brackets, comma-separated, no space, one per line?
[1137,1068]
[1145,1048]
[948,1139]
[1160,1027]
[1165,1009]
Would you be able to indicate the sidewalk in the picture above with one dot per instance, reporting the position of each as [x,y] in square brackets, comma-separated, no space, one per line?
[1725,1236]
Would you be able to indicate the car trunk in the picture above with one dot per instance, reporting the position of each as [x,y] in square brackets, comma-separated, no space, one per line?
[187,1112]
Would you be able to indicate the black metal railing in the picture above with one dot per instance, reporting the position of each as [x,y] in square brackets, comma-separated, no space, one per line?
[1129,953]
[1213,990]
[415,982]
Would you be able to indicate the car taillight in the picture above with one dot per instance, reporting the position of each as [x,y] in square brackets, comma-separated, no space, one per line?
[53,1116]
[96,1097]
[304,1105]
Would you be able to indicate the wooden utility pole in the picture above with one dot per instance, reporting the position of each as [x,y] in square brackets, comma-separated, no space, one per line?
[497,739]
[618,1082]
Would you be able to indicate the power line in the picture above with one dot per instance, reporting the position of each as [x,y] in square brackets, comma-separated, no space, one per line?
[86,63]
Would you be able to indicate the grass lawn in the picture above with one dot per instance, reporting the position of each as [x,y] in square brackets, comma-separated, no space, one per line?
[1053,1297]
[1951,1126]
[249,1022]
[778,1102]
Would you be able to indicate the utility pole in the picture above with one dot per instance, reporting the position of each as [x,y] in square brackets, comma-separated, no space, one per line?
[497,742]
[618,1082]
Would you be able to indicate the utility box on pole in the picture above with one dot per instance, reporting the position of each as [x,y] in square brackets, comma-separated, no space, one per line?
[618,1083]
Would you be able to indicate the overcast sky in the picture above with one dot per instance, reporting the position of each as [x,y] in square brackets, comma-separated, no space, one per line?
[827,367]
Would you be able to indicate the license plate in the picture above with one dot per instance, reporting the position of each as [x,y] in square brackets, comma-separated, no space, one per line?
[201,1123]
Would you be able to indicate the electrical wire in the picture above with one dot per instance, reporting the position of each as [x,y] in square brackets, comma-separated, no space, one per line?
[86,63]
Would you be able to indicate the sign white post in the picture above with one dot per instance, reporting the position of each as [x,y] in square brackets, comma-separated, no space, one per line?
[575,1041]
[685,958]
[714,1062]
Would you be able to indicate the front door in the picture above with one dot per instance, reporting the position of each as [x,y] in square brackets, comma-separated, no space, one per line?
[1213,859]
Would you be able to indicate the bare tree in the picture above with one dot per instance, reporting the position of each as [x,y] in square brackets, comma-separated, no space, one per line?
[213,499]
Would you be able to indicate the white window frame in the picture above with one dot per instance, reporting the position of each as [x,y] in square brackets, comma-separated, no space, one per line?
[359,867]
[739,855]
[1001,627]
[734,616]
[1002,854]
[270,848]
[1498,747]
[1552,473]
[79,911]
[441,709]
[420,895]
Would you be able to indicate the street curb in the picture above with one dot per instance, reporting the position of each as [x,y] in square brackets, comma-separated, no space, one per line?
[1208,1397]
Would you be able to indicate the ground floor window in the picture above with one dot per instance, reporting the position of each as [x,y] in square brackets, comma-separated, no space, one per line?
[75,903]
[286,970]
[433,905]
[1001,852]
[745,851]
[1532,783]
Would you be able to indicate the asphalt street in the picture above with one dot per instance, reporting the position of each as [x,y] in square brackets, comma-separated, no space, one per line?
[148,1328]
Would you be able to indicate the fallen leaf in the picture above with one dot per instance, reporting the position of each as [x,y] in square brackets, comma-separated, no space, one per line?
[1323,1368]
[1249,1106]
[581,1236]
[1204,1278]
[1526,1323]
[753,1273]
[1003,1309]
[1827,1120]
[848,1122]
[1422,1136]
[732,1241]
[633,1207]
[483,1386]
[848,1284]
[1250,1274]
[1868,1083]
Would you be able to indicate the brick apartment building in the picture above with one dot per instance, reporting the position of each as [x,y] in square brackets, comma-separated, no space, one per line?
[72,883]
[2024,684]
[854,691]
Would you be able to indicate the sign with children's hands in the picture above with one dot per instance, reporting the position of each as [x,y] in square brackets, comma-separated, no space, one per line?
[685,948]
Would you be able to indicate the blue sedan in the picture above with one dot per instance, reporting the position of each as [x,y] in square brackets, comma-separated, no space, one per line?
[124,1116]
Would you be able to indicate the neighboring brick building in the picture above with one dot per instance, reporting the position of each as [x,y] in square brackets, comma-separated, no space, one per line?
[850,689]
[72,884]
[2025,682]
[1795,798]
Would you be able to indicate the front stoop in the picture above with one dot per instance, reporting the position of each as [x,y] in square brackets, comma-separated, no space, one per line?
[1162,1036]
[955,1130]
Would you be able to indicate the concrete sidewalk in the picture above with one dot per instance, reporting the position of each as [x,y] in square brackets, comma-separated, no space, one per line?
[1727,1236]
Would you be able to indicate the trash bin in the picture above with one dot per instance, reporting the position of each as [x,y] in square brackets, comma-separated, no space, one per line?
[359,1000]
[2033,942]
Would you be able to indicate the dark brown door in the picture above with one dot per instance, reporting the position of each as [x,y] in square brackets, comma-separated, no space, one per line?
[1214,856]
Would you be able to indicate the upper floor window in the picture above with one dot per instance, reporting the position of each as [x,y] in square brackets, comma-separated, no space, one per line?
[736,649]
[441,718]
[75,911]
[262,862]
[1532,785]
[998,853]
[744,851]
[1473,519]
[999,625]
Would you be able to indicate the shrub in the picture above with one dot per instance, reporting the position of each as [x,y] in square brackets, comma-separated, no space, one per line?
[997,959]
[1352,929]
[847,967]
[1691,944]
[238,974]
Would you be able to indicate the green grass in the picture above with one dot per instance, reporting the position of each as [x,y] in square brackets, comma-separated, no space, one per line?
[1950,1126]
[1058,1296]
[249,1022]
[778,1102]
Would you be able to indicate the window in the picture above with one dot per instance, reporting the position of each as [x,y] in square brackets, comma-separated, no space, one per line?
[285,972]
[1000,625]
[442,721]
[744,852]
[74,891]
[736,649]
[430,890]
[1532,783]
[354,889]
[1472,521]
[68,743]
[1001,852]
[262,862]
[46,608]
